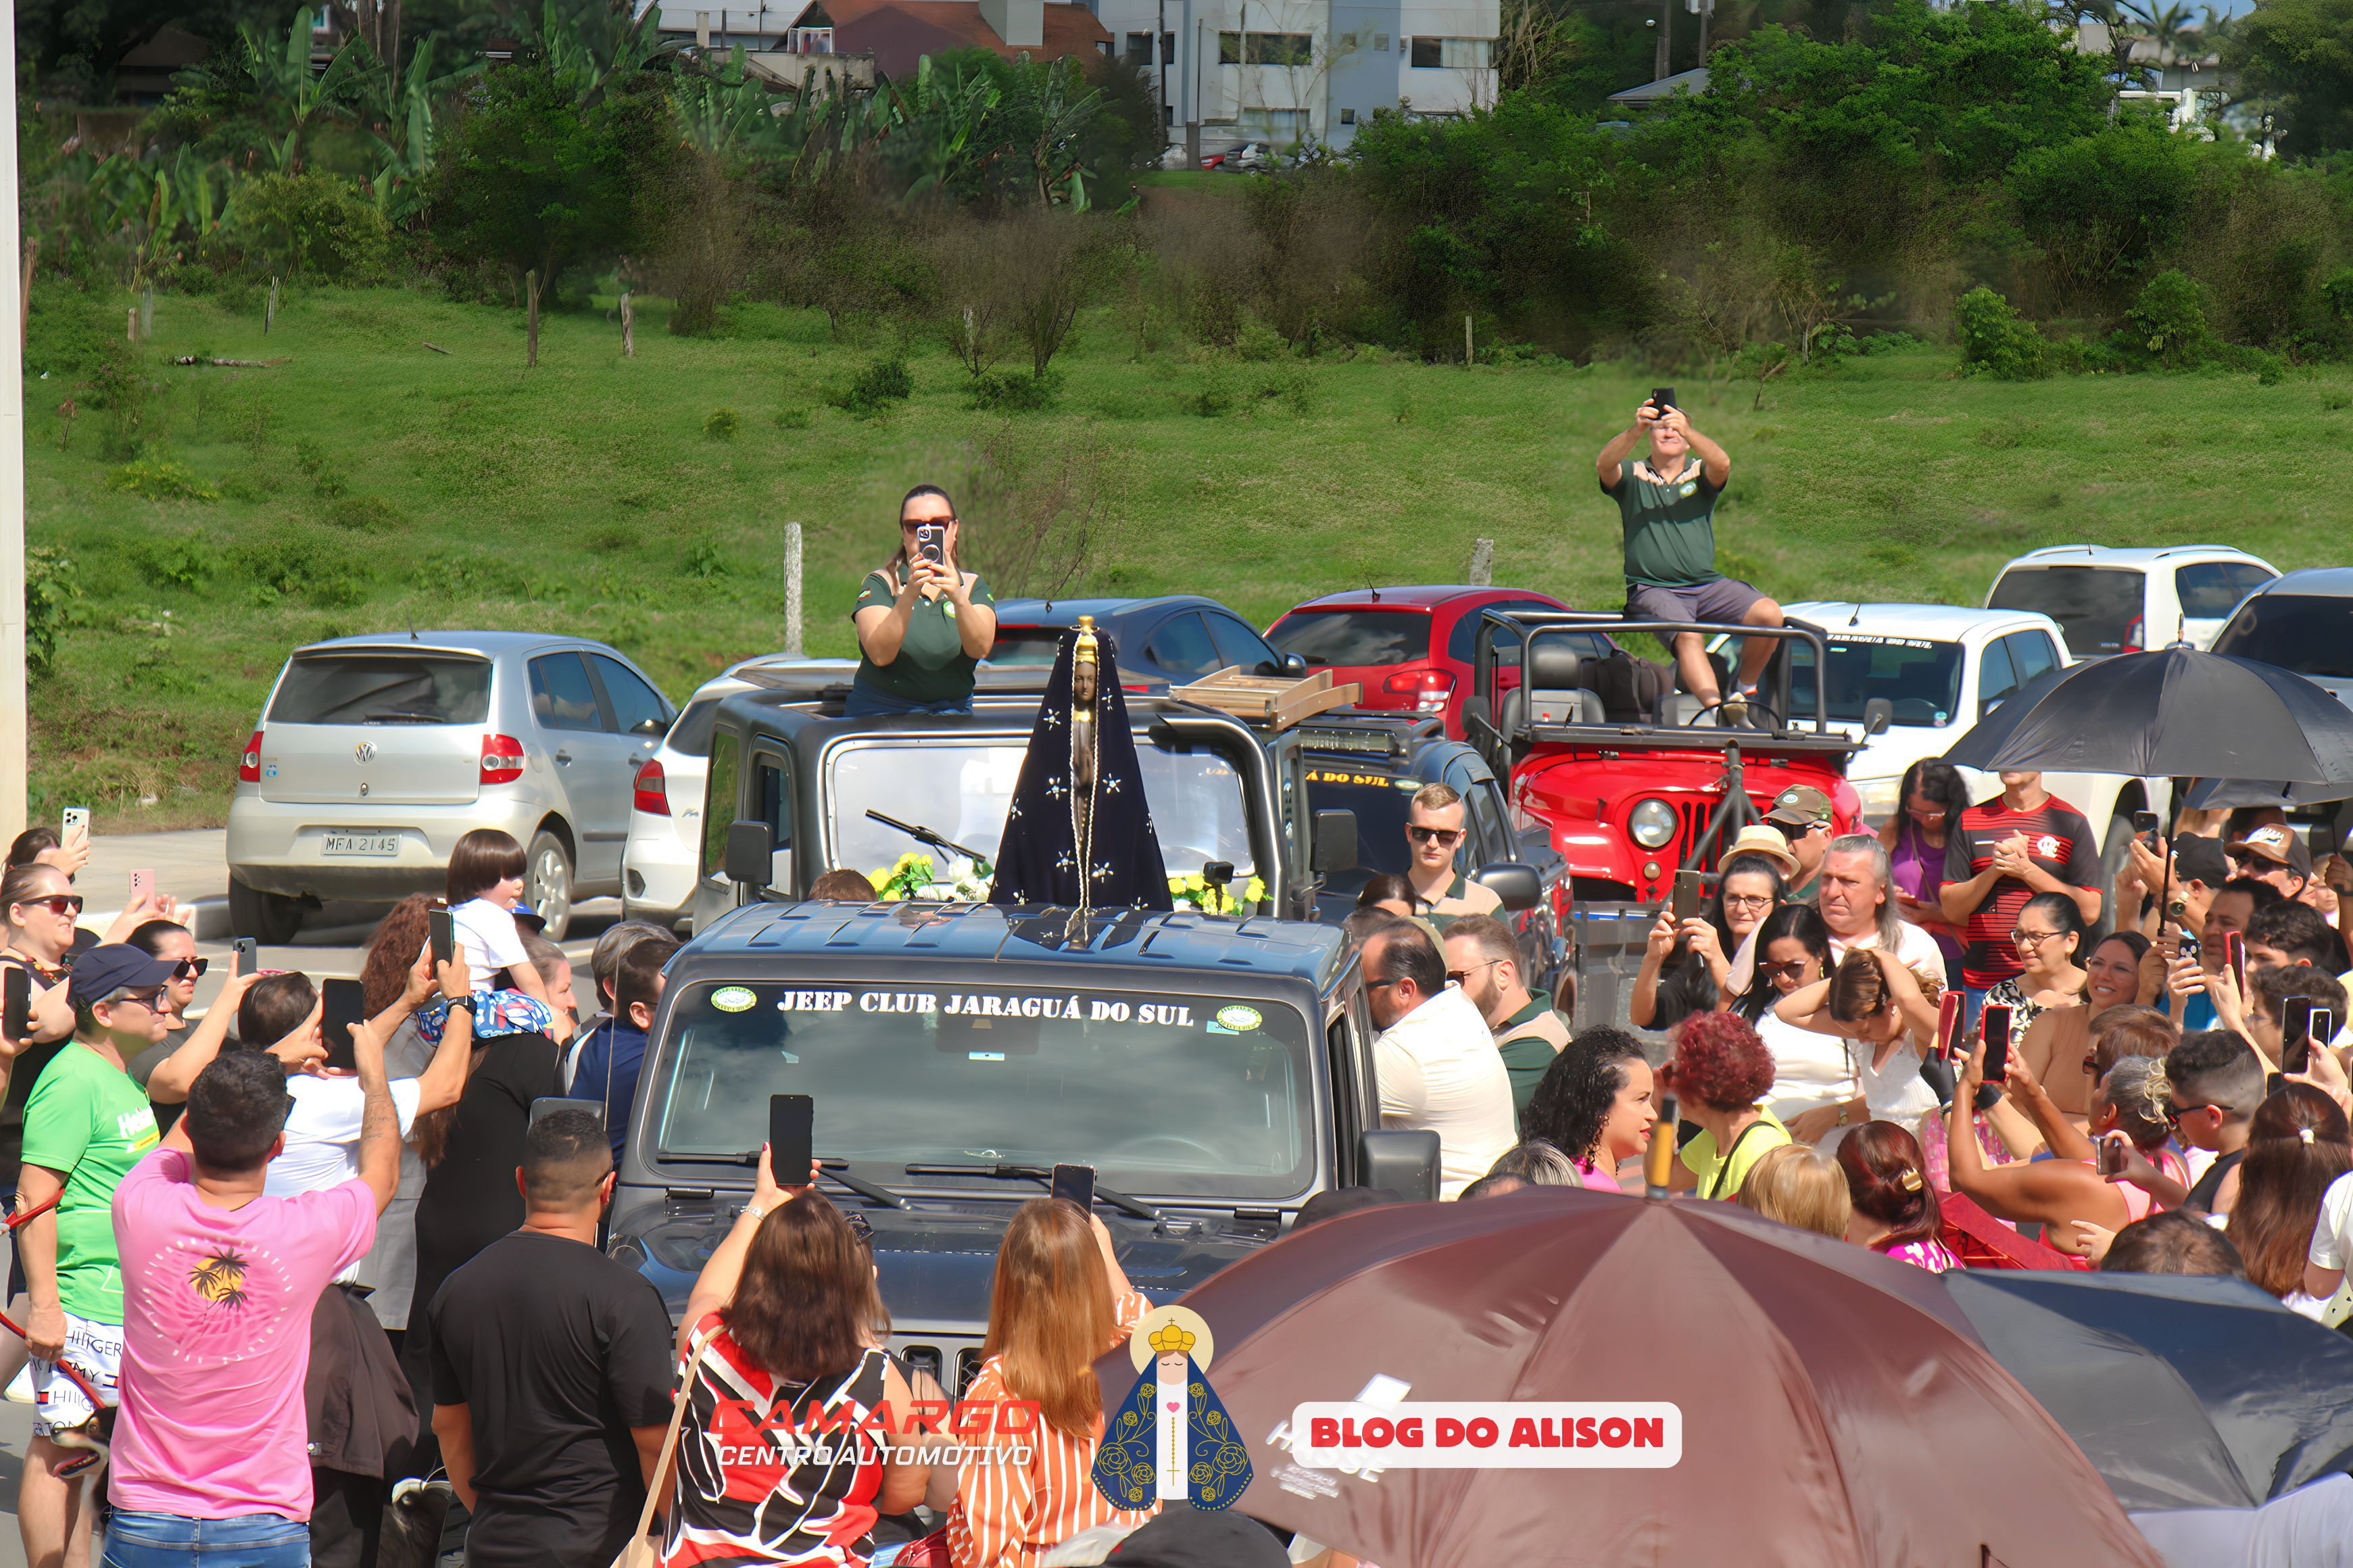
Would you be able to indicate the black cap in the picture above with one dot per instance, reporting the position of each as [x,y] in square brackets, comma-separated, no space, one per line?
[2197,858]
[115,966]
[1182,1536]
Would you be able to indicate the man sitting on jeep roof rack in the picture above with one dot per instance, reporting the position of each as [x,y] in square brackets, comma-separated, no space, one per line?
[1667,508]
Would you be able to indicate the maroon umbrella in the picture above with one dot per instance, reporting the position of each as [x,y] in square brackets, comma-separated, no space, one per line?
[1836,1410]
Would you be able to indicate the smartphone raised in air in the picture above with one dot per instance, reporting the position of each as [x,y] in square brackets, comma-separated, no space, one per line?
[75,816]
[1994,1025]
[2234,953]
[342,1003]
[792,1137]
[444,936]
[1948,1024]
[143,885]
[1690,888]
[248,954]
[2111,1152]
[1076,1183]
[16,1014]
[2145,828]
[928,545]
[1662,399]
[2296,1014]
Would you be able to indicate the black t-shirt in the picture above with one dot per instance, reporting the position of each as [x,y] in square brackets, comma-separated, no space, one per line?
[558,1352]
[2201,1196]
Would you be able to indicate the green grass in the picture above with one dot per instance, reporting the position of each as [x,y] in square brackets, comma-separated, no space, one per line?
[370,483]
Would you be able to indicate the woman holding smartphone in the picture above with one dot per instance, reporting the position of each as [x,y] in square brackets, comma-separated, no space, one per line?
[923,623]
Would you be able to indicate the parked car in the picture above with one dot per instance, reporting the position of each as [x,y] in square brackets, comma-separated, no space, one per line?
[1174,638]
[2302,622]
[1410,649]
[2122,601]
[374,754]
[660,865]
[1940,668]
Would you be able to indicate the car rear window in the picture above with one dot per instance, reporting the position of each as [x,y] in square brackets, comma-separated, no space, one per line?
[1026,645]
[2307,633]
[389,687]
[2211,590]
[2094,605]
[1353,636]
[690,736]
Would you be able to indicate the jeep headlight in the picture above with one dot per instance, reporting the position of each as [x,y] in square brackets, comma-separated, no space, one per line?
[1878,797]
[1653,823]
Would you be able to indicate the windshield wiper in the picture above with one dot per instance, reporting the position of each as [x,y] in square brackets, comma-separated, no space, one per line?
[924,835]
[392,716]
[835,1171]
[1004,1172]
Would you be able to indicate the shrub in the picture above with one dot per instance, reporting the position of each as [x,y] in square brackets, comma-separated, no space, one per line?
[792,418]
[313,224]
[291,559]
[1257,344]
[159,479]
[705,562]
[365,514]
[881,384]
[1290,387]
[54,602]
[1018,393]
[2167,323]
[1995,339]
[118,387]
[721,424]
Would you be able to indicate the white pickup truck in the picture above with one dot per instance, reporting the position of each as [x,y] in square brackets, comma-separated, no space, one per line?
[1941,668]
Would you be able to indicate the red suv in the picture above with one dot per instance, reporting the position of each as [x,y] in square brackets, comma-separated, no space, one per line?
[1410,649]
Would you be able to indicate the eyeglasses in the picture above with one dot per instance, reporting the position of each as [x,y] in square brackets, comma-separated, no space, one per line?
[2031,938]
[1420,835]
[56,903]
[1377,984]
[1747,901]
[1792,970]
[909,525]
[1460,975]
[146,996]
[191,969]
[2176,1111]
[860,1228]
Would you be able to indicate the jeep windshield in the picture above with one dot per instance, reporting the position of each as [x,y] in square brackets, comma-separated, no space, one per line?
[1161,1092]
[1921,678]
[1379,799]
[961,791]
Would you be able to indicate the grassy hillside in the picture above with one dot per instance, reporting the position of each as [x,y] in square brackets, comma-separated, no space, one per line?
[372,483]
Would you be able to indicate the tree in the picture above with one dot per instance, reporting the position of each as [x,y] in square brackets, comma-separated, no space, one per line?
[2299,53]
[533,179]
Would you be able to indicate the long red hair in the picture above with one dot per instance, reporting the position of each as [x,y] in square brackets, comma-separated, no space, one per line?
[1049,1314]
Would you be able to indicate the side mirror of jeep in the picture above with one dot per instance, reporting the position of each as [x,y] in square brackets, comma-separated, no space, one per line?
[1405,1162]
[1516,884]
[751,854]
[1877,714]
[1334,846]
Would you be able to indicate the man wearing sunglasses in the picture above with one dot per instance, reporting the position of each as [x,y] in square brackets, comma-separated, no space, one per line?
[1434,830]
[2216,1080]
[1484,958]
[86,1125]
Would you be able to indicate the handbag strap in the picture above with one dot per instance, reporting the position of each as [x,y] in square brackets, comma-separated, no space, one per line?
[670,1438]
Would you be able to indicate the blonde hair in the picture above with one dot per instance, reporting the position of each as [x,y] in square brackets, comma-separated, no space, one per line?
[1798,1185]
[1435,796]
[1050,1313]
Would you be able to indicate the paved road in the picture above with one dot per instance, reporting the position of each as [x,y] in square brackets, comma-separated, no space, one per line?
[192,866]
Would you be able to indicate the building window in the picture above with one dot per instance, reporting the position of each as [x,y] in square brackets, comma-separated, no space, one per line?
[1168,48]
[1103,47]
[1348,117]
[1139,48]
[809,41]
[1279,48]
[1230,48]
[1430,54]
[1283,127]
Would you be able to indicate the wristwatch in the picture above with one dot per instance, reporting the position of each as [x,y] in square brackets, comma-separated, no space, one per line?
[467,1001]
[755,1212]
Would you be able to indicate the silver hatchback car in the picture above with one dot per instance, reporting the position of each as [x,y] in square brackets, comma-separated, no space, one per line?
[375,754]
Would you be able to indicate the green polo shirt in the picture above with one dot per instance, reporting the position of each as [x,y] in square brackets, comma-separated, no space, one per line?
[932,665]
[1527,1041]
[1670,528]
[88,1120]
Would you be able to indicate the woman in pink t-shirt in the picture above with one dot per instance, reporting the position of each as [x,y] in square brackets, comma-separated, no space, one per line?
[1895,1209]
[1594,1105]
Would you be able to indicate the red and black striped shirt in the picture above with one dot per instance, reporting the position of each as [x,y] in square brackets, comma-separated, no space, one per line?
[2059,840]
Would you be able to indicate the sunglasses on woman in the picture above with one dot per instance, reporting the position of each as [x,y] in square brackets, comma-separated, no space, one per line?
[1793,970]
[191,969]
[56,903]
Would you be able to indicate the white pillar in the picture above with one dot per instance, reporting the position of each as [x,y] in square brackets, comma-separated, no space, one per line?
[792,589]
[15,755]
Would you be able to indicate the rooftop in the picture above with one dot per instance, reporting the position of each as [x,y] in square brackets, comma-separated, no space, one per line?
[1904,620]
[1412,596]
[463,642]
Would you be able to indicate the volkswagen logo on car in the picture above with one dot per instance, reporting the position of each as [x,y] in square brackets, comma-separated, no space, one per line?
[365,751]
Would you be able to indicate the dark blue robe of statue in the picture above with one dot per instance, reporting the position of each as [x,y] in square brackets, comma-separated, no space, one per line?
[1219,1468]
[1037,858]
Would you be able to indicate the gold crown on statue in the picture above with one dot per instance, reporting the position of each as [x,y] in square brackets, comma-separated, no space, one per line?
[1171,1341]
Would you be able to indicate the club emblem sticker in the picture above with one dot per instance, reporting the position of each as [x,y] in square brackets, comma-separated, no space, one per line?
[1170,1441]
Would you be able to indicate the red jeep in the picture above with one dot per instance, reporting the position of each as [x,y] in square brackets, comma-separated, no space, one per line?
[1629,796]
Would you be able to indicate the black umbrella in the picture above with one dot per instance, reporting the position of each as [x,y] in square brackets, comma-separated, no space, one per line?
[2172,713]
[2206,795]
[2184,1392]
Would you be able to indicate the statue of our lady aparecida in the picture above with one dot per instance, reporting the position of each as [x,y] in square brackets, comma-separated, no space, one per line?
[1170,1441]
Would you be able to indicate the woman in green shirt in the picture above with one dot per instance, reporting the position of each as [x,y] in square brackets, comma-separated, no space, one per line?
[922,625]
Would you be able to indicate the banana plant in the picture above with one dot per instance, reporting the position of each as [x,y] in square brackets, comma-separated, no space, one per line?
[402,113]
[290,95]
[1055,150]
[590,45]
[726,114]
[948,115]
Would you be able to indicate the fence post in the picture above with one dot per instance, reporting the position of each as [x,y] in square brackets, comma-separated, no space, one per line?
[1482,563]
[147,312]
[1469,355]
[792,589]
[629,327]
[531,304]
[24,296]
[270,312]
[131,325]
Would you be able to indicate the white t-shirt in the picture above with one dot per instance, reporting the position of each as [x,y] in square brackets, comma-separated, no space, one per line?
[1916,949]
[490,941]
[1439,1070]
[2332,1234]
[322,1138]
[1811,1070]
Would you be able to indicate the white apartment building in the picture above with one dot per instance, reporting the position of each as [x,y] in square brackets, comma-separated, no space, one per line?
[1288,71]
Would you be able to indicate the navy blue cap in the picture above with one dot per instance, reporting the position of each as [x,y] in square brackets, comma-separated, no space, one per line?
[113,966]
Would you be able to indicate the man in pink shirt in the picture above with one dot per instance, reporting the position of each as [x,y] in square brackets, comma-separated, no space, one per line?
[219,1280]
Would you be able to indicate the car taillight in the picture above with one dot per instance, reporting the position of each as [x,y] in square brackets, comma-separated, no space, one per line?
[652,789]
[248,766]
[502,759]
[2135,636]
[1429,688]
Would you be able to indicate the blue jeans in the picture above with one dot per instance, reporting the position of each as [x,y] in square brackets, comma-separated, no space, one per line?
[172,1540]
[873,702]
